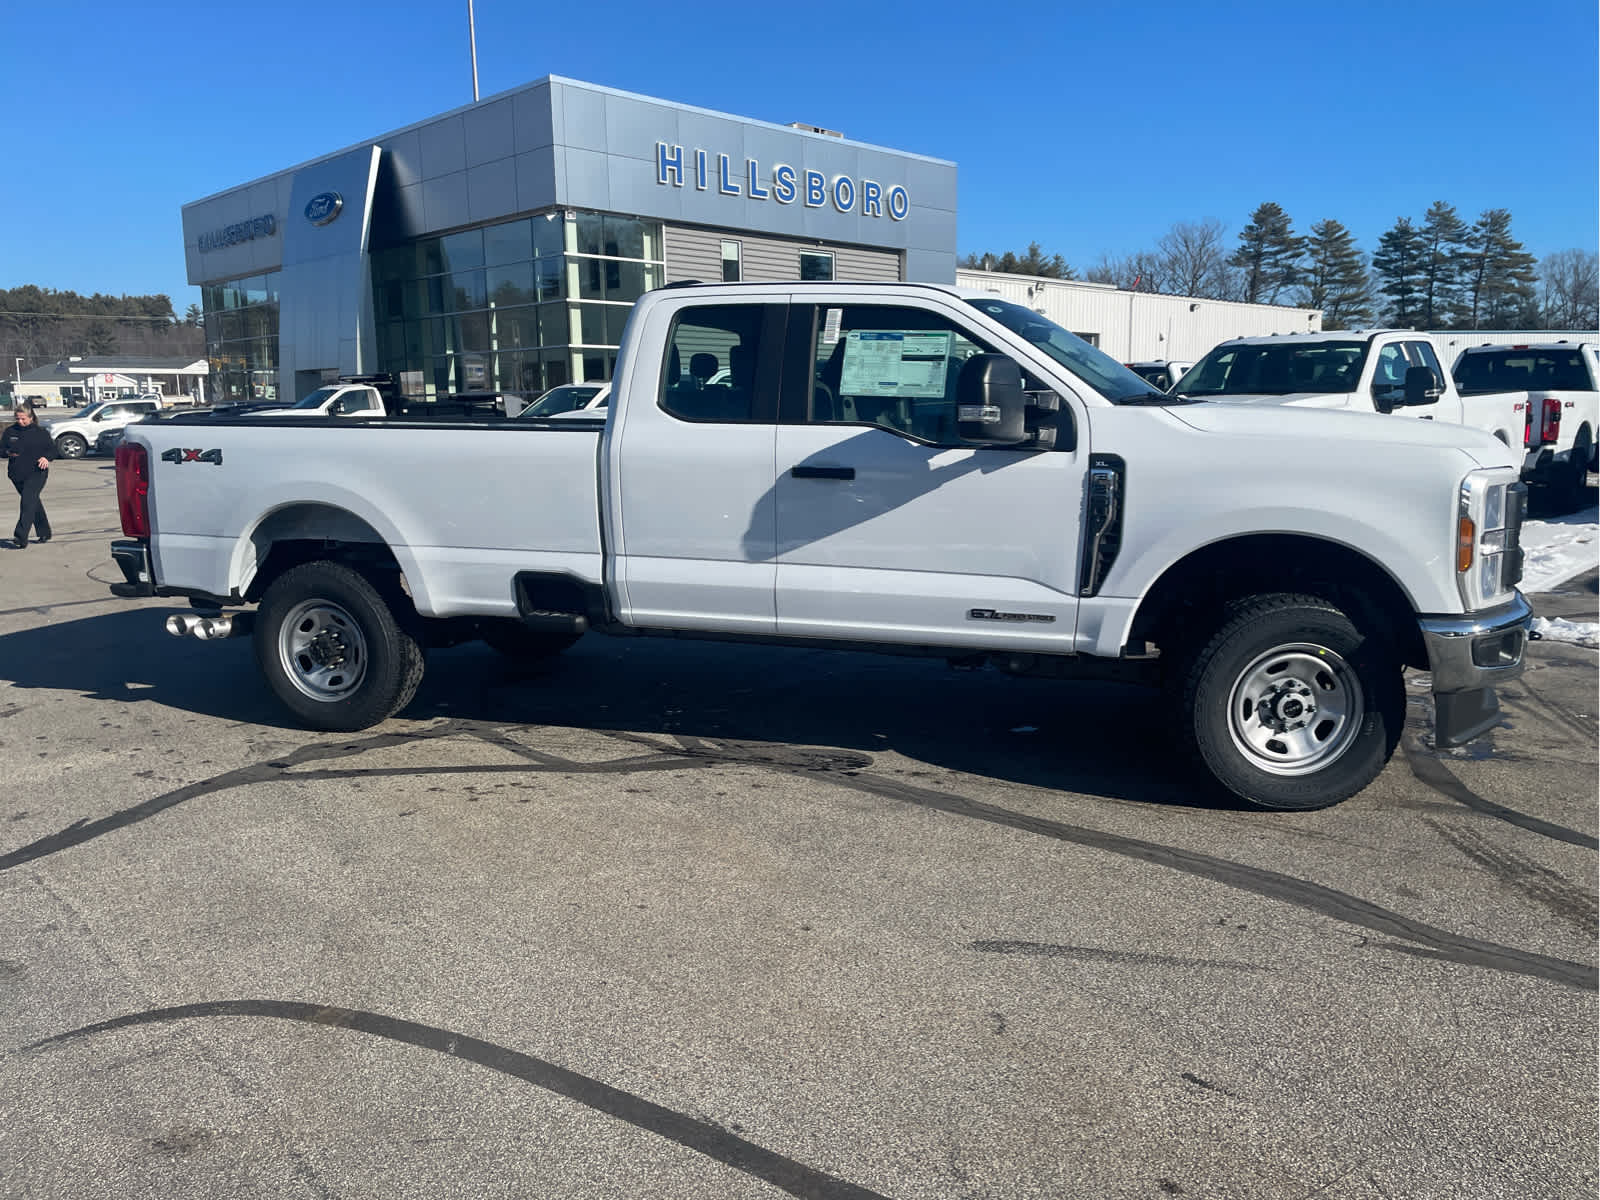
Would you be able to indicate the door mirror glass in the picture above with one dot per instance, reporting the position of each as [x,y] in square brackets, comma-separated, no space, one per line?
[990,404]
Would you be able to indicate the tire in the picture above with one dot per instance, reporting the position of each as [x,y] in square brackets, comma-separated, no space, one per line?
[71,445]
[1570,488]
[515,640]
[332,650]
[1251,694]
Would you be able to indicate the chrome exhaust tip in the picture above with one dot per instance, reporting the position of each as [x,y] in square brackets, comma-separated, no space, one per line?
[182,624]
[214,628]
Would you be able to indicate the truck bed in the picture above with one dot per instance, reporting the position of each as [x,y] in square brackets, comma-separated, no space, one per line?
[465,505]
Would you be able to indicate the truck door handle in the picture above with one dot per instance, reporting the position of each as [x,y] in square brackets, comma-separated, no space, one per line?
[823,472]
[1424,417]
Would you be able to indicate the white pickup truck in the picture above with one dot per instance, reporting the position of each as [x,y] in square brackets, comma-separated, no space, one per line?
[1557,389]
[1389,371]
[895,467]
[343,399]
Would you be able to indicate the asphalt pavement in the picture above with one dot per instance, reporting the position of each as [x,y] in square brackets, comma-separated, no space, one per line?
[674,919]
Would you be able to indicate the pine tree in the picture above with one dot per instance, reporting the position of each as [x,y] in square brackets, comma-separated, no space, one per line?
[1269,254]
[1444,235]
[1500,275]
[1398,267]
[1335,277]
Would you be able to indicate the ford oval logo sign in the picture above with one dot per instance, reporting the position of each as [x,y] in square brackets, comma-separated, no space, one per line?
[324,207]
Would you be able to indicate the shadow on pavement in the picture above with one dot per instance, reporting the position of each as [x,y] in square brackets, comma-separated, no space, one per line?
[1104,739]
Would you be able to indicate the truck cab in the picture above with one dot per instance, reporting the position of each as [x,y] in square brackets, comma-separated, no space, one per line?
[1395,372]
[334,400]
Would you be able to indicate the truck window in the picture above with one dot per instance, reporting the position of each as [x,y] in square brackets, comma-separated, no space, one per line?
[1521,370]
[895,368]
[1389,376]
[712,354]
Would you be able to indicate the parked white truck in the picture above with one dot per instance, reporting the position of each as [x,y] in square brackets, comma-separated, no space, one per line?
[1557,389]
[1389,371]
[896,467]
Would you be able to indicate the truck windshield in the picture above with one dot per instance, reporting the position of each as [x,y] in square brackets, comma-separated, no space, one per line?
[1276,369]
[1100,371]
[317,398]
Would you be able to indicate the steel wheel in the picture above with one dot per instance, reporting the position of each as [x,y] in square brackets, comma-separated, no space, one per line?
[1295,709]
[322,650]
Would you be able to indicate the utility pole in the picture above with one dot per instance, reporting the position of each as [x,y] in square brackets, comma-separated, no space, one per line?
[472,39]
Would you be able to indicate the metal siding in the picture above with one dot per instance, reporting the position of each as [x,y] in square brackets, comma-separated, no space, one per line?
[696,253]
[1142,326]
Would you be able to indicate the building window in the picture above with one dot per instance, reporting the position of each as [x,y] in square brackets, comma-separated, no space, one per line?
[730,262]
[241,329]
[518,306]
[816,266]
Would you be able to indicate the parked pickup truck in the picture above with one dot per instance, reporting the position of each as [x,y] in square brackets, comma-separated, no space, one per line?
[1386,371]
[1557,389]
[351,396]
[894,467]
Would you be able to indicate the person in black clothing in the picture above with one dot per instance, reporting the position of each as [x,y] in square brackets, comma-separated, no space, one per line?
[28,449]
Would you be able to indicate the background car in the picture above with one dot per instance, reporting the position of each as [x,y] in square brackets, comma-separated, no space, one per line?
[78,435]
[567,398]
[1161,373]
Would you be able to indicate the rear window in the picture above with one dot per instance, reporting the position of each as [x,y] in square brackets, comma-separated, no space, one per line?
[1529,370]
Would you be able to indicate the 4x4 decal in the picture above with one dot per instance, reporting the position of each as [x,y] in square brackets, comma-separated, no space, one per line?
[175,455]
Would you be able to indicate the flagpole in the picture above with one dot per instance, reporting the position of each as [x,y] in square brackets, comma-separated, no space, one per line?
[472,38]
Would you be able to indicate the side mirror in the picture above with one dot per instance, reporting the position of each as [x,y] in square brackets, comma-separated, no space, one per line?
[990,404]
[1421,386]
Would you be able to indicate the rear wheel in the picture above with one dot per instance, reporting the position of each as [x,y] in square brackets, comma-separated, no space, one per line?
[1571,486]
[331,648]
[71,445]
[1288,705]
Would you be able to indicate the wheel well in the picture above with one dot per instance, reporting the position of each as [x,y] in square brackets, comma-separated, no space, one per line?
[1193,591]
[307,532]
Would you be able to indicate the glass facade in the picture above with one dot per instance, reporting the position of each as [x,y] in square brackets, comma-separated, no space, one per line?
[519,306]
[241,323]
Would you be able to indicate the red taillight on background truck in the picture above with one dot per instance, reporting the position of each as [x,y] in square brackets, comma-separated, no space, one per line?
[133,490]
[1550,421]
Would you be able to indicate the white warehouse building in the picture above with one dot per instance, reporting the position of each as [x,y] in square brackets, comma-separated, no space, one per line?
[1141,326]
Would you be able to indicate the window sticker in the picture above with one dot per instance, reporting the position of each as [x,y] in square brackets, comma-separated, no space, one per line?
[830,326]
[895,363]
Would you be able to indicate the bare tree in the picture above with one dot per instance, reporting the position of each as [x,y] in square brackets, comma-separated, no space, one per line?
[1139,272]
[1194,260]
[1571,281]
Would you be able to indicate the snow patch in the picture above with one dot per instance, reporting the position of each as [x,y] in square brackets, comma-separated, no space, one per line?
[1559,629]
[1558,548]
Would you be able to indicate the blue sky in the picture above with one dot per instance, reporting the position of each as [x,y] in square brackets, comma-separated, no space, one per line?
[1091,128]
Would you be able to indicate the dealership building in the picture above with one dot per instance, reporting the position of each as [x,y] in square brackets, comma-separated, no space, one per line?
[500,246]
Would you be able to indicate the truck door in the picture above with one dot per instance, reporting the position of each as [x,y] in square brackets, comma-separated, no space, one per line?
[1448,406]
[692,470]
[888,526]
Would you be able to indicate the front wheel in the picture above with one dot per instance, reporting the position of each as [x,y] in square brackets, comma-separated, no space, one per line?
[331,649]
[1289,705]
[71,445]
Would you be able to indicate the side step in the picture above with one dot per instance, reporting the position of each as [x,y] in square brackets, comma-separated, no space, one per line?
[552,603]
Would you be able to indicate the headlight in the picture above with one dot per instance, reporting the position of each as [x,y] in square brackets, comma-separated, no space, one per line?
[1484,542]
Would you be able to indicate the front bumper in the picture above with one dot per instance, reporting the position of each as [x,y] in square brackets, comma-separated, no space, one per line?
[1470,656]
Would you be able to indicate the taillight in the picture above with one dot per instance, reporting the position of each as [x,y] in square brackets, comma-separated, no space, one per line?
[1550,426]
[133,489]
[1527,424]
